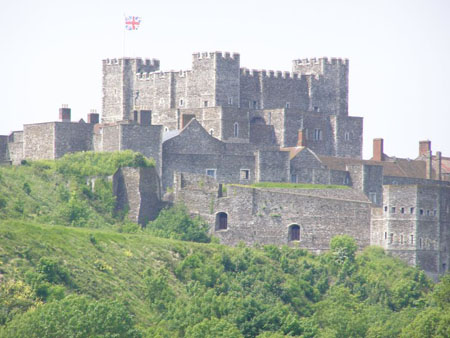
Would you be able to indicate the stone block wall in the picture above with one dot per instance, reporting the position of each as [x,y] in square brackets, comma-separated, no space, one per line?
[264,216]
[72,137]
[348,135]
[272,166]
[4,155]
[39,141]
[137,191]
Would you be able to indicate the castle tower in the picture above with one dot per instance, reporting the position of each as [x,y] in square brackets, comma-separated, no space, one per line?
[119,86]
[328,84]
[215,81]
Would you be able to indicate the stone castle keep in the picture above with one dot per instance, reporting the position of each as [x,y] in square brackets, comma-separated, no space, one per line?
[219,124]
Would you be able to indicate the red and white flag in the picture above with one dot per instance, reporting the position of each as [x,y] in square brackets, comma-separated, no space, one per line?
[132,23]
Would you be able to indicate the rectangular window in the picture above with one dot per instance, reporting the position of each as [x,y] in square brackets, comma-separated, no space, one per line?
[385,208]
[211,172]
[255,105]
[230,101]
[411,210]
[317,134]
[428,212]
[393,210]
[205,103]
[402,210]
[421,211]
[373,197]
[385,235]
[347,136]
[181,102]
[288,105]
[293,178]
[245,174]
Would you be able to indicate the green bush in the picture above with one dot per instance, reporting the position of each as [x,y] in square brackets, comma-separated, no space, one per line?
[176,223]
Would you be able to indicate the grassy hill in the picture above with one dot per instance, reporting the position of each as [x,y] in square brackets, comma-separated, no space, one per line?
[82,276]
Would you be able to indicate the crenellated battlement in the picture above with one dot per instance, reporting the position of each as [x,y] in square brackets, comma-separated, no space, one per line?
[275,74]
[323,60]
[146,76]
[216,55]
[139,62]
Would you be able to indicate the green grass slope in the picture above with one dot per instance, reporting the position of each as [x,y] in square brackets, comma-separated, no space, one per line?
[67,271]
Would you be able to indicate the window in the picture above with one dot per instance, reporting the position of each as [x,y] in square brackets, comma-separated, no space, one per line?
[221,221]
[420,243]
[245,174]
[236,129]
[421,211]
[391,238]
[205,103]
[255,105]
[385,208]
[412,239]
[293,178]
[288,105]
[211,172]
[211,132]
[393,210]
[317,134]
[411,210]
[294,232]
[166,129]
[373,197]
[402,210]
[230,101]
[306,134]
[385,235]
[428,212]
[347,136]
[316,109]
[181,102]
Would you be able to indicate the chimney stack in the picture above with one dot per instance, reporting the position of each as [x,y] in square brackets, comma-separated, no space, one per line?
[64,113]
[378,154]
[93,117]
[424,147]
[439,165]
[301,142]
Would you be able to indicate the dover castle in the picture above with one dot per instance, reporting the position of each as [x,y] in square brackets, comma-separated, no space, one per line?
[217,128]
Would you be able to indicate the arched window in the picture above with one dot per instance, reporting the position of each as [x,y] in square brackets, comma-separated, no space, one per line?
[294,232]
[236,129]
[211,132]
[221,221]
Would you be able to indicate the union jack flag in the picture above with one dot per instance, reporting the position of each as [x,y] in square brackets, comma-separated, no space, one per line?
[132,23]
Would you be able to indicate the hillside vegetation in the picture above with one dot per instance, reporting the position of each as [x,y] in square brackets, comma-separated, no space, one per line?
[98,275]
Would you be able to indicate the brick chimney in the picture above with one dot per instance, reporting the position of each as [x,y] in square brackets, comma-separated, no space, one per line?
[424,147]
[93,118]
[439,165]
[301,141]
[378,154]
[64,113]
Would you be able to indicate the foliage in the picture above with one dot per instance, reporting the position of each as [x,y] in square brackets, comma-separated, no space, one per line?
[74,316]
[176,223]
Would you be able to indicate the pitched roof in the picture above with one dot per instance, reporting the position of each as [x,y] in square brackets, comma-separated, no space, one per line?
[400,167]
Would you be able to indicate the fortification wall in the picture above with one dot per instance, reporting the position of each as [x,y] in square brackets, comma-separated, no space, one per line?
[272,166]
[227,80]
[4,155]
[444,222]
[138,191]
[72,137]
[39,141]
[144,139]
[110,138]
[320,176]
[369,180]
[263,216]
[328,83]
[347,133]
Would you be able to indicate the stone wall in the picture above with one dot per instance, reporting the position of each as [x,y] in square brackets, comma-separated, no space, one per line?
[4,155]
[272,166]
[137,191]
[264,215]
[39,141]
[72,137]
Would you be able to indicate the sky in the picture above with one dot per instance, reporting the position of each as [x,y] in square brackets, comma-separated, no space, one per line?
[399,52]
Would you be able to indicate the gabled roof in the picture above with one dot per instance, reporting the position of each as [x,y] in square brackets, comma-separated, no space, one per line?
[400,167]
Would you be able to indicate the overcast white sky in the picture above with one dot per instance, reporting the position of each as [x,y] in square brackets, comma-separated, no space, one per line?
[399,51]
